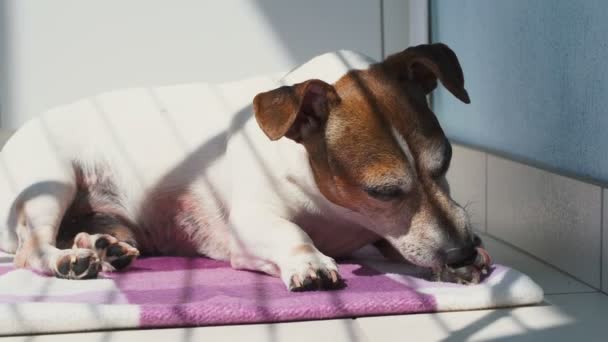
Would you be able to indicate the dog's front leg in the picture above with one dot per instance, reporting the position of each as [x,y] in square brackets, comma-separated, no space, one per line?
[281,248]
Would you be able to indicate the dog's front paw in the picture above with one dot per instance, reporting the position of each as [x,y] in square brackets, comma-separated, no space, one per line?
[114,254]
[462,275]
[311,271]
[76,263]
[471,274]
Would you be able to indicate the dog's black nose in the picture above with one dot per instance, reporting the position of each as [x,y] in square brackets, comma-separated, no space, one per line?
[477,240]
[460,257]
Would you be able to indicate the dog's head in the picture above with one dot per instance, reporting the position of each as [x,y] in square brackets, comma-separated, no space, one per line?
[375,147]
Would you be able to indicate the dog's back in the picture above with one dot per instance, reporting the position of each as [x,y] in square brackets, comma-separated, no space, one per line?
[163,171]
[149,139]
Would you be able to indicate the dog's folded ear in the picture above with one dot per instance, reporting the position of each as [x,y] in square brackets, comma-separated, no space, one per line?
[294,111]
[425,64]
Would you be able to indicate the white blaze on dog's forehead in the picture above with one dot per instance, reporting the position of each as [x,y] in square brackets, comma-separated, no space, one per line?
[405,148]
[432,157]
[328,67]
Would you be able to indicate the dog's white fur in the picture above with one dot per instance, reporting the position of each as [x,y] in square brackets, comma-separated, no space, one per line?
[199,139]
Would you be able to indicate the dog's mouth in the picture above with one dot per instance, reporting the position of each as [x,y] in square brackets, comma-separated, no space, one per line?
[469,271]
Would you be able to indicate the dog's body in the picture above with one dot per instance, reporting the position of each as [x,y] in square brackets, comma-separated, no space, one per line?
[186,170]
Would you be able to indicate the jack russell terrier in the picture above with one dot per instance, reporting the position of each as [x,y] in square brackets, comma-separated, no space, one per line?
[343,152]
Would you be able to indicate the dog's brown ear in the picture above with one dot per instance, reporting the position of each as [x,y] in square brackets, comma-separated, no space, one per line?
[294,111]
[425,64]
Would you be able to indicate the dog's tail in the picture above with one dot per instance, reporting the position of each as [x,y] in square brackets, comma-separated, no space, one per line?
[8,236]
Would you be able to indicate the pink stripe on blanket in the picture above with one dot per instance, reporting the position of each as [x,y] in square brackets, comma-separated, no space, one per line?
[184,292]
[5,269]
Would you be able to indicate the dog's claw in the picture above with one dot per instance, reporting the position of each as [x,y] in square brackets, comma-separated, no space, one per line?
[295,282]
[334,276]
[320,279]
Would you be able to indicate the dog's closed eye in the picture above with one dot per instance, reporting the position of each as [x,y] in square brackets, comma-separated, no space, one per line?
[385,192]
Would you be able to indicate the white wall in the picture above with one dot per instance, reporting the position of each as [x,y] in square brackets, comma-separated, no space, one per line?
[406,23]
[53,52]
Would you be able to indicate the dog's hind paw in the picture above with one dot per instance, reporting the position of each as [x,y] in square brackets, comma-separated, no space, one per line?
[115,255]
[76,263]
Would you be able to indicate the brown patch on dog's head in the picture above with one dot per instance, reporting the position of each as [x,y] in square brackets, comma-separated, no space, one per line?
[376,148]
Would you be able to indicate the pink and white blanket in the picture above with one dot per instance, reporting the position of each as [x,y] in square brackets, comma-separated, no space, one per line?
[177,292]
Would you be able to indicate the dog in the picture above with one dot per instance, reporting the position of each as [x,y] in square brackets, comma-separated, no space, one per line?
[340,153]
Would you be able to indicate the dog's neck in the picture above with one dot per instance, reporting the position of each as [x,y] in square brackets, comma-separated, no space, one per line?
[300,176]
[329,67]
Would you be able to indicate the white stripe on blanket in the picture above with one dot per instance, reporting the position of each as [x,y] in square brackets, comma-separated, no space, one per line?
[29,318]
[33,317]
[25,283]
[507,287]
